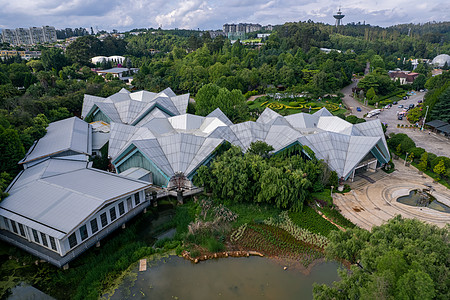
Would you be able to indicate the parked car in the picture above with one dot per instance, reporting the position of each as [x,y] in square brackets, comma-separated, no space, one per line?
[400,117]
[411,106]
[400,106]
[358,108]
[395,102]
[420,101]
[404,98]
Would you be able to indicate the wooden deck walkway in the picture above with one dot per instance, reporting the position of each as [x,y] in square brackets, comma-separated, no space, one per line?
[142,265]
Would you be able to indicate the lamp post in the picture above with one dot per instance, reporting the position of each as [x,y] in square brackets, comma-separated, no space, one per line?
[424,119]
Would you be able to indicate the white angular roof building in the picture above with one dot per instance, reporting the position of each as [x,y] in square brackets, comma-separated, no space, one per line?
[152,132]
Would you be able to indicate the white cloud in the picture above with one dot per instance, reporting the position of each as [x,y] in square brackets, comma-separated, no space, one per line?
[212,14]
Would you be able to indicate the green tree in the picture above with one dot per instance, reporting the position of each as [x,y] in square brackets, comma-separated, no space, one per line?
[233,104]
[83,49]
[370,93]
[5,179]
[441,110]
[402,259]
[439,168]
[260,148]
[52,58]
[419,82]
[11,150]
[423,162]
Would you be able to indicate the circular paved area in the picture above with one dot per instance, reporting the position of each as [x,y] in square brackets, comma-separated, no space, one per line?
[372,204]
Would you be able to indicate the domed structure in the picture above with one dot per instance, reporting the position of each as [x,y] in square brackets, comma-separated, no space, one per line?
[440,60]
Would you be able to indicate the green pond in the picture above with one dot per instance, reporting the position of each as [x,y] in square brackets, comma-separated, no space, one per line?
[228,278]
[423,199]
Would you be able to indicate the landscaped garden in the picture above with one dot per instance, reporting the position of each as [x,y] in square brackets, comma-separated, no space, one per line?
[292,105]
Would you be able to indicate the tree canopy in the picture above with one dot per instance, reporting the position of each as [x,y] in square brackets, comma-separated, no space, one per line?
[402,259]
[232,104]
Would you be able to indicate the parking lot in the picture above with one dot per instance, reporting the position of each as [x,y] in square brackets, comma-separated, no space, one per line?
[430,141]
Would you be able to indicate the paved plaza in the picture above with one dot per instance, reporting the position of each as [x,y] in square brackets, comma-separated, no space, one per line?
[372,204]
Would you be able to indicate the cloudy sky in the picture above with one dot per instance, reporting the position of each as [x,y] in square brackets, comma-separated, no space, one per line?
[212,14]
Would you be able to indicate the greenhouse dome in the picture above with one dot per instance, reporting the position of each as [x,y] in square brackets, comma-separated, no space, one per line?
[440,60]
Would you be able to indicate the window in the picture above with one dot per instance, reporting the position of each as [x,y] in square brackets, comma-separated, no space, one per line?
[121,208]
[112,213]
[137,199]
[35,236]
[6,223]
[72,240]
[103,219]
[44,239]
[52,242]
[22,230]
[14,226]
[83,232]
[94,226]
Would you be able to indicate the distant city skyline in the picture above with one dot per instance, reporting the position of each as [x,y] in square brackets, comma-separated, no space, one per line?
[193,14]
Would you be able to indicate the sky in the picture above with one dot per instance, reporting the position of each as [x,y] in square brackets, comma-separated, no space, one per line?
[193,14]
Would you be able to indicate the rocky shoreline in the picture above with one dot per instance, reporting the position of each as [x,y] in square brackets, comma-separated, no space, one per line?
[187,255]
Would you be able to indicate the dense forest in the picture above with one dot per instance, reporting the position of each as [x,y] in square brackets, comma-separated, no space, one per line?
[36,92]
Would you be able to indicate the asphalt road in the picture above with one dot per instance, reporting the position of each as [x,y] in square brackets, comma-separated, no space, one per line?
[430,141]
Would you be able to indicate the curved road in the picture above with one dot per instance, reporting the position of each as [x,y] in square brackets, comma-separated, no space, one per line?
[351,103]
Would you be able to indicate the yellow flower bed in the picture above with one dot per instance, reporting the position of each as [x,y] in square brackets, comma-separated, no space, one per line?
[262,104]
[332,106]
[278,106]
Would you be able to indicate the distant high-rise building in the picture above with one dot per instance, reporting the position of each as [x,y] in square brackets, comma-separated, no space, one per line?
[29,36]
[37,35]
[9,36]
[49,34]
[338,16]
[241,28]
[23,36]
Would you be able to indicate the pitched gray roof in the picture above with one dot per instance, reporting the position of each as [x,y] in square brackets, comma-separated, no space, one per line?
[70,134]
[60,194]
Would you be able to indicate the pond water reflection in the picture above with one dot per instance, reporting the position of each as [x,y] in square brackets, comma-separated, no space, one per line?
[423,199]
[231,278]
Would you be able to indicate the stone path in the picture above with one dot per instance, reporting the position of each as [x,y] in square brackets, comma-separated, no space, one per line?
[372,204]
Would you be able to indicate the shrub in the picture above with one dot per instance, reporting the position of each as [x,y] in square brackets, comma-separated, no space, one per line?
[214,245]
[160,243]
[195,253]
[417,152]
[293,104]
[438,159]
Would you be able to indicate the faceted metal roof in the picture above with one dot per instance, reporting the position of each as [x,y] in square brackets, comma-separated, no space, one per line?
[131,108]
[176,139]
